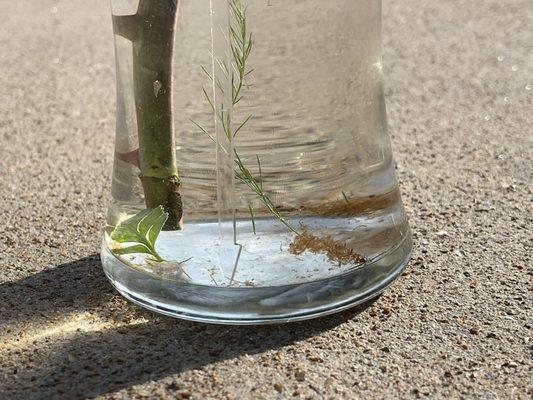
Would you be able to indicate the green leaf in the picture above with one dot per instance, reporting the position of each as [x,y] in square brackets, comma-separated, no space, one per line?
[252,217]
[142,230]
[345,197]
[241,125]
[137,248]
[155,228]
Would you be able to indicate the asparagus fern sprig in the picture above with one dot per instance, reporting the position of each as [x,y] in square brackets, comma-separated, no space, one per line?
[241,45]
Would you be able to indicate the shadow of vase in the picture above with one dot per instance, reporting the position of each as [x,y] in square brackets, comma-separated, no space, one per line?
[132,347]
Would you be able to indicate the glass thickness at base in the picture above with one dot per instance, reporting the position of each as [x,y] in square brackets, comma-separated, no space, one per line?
[257,305]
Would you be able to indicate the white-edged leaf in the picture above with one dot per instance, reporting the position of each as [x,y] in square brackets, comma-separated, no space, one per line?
[137,248]
[142,231]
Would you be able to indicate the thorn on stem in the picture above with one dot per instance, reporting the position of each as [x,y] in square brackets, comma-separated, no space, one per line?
[131,157]
[126,26]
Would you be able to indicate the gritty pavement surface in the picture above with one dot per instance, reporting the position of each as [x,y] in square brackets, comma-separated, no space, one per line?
[459,87]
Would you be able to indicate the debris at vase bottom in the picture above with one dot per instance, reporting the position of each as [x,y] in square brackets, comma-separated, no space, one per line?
[336,251]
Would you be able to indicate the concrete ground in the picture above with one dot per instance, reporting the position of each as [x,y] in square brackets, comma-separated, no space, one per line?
[459,78]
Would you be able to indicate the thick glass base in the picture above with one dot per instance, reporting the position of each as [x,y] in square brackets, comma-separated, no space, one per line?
[243,305]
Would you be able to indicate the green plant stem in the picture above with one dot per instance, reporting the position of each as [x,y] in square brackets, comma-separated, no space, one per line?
[152,32]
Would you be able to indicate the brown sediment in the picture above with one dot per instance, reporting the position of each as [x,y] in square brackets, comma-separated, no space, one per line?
[356,205]
[336,251]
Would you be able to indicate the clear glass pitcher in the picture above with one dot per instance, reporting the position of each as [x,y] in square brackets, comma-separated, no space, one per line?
[253,179]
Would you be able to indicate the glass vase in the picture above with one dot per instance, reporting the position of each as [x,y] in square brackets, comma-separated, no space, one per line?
[253,177]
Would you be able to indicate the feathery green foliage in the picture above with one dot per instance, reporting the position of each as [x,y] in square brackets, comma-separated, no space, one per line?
[241,44]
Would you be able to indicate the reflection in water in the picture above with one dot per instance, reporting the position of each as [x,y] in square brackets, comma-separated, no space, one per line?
[314,97]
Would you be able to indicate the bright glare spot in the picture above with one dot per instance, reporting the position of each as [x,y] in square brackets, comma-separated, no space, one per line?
[84,322]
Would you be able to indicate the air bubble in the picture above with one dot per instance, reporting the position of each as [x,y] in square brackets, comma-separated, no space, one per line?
[514,68]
